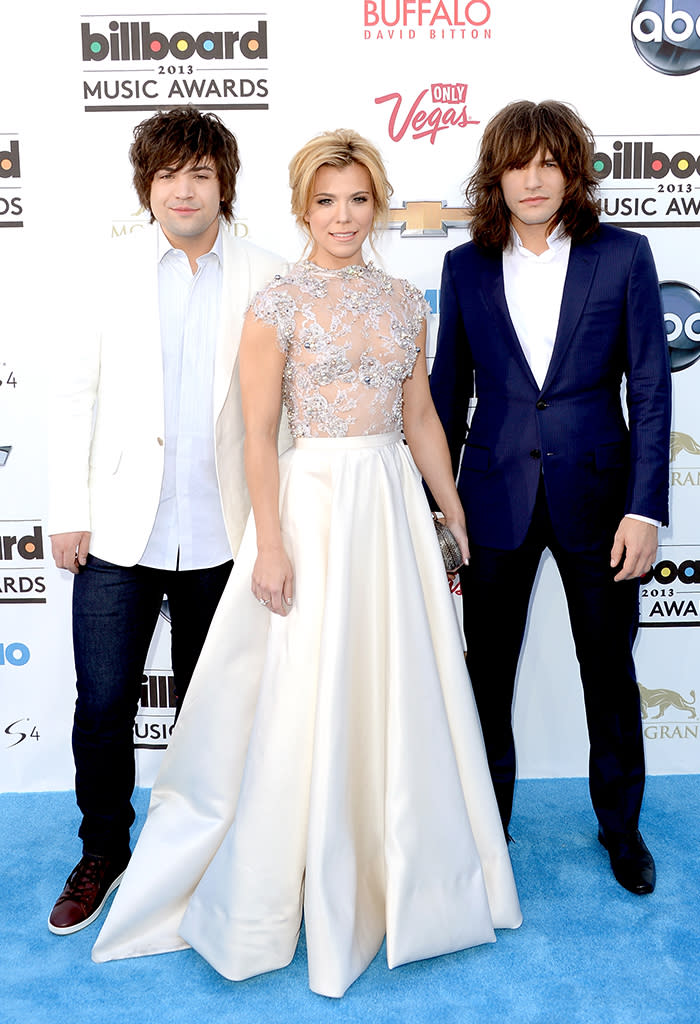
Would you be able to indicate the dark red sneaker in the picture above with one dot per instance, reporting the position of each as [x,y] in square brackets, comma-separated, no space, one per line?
[85,893]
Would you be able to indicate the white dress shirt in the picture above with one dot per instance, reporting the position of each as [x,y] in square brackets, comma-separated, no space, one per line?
[534,286]
[188,531]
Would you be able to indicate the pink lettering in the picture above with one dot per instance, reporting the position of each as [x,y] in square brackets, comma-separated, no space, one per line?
[395,135]
[423,122]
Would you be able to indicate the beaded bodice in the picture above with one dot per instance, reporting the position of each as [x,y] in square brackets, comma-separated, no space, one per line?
[349,337]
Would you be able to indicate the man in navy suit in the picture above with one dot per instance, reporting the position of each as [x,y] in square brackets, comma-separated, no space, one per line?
[543,314]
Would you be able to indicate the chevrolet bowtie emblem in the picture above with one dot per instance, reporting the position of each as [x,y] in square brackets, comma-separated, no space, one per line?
[427,218]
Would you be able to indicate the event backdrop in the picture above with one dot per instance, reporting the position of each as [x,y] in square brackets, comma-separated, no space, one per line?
[420,78]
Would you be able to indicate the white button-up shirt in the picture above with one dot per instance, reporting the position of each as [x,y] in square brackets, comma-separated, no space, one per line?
[189,530]
[534,286]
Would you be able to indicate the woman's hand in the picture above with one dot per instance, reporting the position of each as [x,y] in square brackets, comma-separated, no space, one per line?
[272,581]
[458,531]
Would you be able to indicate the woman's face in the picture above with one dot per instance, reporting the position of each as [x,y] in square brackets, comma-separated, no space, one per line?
[340,215]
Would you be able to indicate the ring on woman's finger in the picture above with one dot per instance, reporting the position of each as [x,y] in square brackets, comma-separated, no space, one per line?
[261,600]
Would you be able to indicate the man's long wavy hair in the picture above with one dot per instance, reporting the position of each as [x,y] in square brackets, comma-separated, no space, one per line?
[178,137]
[511,139]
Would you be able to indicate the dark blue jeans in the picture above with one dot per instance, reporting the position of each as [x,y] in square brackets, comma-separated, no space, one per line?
[115,610]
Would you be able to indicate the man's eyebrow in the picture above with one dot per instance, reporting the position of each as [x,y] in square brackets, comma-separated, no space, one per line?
[197,167]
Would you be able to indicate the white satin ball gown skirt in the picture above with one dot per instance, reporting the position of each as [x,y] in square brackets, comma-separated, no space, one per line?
[328,763]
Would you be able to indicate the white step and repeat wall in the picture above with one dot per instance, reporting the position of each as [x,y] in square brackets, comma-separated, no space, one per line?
[420,78]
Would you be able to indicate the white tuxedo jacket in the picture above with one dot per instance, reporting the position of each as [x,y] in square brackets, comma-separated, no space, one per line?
[106,425]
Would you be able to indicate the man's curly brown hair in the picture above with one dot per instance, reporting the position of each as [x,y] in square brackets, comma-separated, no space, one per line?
[180,136]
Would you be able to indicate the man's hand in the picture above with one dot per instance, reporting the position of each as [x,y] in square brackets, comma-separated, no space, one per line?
[70,550]
[636,541]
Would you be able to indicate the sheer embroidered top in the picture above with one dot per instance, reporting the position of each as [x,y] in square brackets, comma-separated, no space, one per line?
[349,337]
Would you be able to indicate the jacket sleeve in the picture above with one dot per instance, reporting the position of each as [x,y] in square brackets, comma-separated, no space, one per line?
[452,377]
[648,381]
[72,386]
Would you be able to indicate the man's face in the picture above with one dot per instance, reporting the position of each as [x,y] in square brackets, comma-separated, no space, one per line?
[534,193]
[186,203]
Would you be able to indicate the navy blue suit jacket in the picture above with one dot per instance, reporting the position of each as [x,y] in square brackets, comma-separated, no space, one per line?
[573,431]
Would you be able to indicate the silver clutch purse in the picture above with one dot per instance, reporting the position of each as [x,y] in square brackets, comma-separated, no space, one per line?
[449,548]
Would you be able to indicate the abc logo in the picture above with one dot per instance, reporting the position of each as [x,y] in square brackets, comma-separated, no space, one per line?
[681,305]
[666,36]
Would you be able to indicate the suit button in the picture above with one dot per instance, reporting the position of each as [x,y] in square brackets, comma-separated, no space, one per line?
[542,404]
[536,453]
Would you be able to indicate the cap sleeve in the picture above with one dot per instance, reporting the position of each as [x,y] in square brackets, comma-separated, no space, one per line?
[415,300]
[416,307]
[275,307]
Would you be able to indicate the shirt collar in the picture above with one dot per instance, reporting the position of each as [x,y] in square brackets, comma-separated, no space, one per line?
[165,247]
[557,240]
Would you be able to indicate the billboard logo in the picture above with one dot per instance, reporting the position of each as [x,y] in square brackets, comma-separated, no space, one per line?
[9,161]
[10,205]
[156,715]
[155,65]
[669,592]
[645,182]
[134,40]
[643,161]
[28,547]
[666,37]
[22,563]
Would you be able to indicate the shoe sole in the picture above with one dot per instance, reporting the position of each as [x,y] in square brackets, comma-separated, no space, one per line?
[93,916]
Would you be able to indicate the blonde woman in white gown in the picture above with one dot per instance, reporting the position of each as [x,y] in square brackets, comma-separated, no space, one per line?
[328,760]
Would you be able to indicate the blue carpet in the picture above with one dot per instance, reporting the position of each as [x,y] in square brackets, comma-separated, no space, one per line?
[587,952]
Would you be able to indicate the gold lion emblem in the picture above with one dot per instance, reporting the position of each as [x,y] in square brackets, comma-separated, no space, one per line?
[682,443]
[665,699]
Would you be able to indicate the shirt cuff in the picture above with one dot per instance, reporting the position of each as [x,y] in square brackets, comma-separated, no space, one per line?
[644,519]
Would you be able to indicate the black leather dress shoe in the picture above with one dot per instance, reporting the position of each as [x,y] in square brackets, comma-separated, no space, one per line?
[630,860]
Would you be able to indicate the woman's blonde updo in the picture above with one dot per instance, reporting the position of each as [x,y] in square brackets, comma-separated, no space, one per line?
[338,149]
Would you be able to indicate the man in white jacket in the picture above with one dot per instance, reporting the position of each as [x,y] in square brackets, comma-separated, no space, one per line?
[148,493]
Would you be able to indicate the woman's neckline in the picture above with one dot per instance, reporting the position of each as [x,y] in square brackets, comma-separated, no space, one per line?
[352,269]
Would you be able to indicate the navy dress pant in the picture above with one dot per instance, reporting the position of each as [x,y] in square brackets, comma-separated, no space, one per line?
[115,610]
[496,588]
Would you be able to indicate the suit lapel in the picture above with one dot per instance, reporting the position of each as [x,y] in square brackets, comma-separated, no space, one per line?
[234,300]
[142,306]
[494,297]
[583,260]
